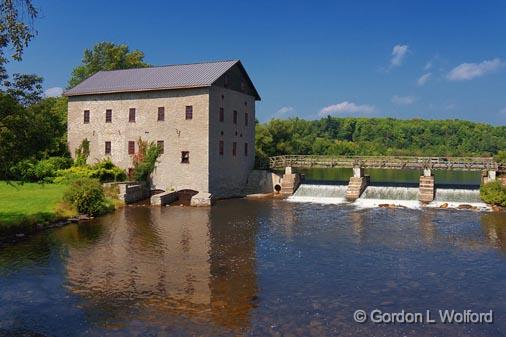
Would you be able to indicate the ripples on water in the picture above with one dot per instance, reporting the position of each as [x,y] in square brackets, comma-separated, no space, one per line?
[255,268]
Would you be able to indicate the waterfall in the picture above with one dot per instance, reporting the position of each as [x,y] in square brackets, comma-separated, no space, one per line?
[457,195]
[333,194]
[390,193]
[374,196]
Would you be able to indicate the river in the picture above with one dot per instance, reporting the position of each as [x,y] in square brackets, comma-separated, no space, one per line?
[255,268]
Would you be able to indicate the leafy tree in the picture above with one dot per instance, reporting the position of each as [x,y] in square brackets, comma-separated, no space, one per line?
[25,88]
[106,56]
[16,29]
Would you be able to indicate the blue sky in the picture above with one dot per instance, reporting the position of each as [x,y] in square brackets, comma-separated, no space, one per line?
[405,59]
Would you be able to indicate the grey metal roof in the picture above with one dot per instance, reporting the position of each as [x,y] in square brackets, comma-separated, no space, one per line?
[153,78]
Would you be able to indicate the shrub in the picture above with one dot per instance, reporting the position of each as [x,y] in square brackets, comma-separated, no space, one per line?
[145,160]
[43,170]
[82,152]
[104,171]
[500,157]
[87,196]
[493,193]
[46,169]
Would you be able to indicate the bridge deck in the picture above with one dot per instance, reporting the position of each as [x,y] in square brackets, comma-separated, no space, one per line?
[386,162]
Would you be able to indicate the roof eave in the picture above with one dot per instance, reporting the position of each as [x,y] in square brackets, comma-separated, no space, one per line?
[119,91]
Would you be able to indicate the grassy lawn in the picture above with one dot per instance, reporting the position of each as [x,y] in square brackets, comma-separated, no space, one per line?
[22,206]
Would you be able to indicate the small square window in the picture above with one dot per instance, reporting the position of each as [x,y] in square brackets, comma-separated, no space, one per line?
[235,116]
[131,115]
[131,147]
[189,112]
[108,116]
[160,146]
[222,114]
[86,116]
[107,147]
[222,148]
[161,114]
[185,157]
[234,149]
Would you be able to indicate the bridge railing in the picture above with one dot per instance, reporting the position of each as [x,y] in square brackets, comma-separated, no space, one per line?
[392,162]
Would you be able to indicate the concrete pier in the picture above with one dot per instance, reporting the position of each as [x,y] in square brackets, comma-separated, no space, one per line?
[357,184]
[426,190]
[290,181]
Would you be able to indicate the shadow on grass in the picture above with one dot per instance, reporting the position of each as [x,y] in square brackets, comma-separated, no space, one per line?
[16,222]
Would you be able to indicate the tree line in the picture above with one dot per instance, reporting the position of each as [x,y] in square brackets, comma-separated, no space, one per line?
[378,136]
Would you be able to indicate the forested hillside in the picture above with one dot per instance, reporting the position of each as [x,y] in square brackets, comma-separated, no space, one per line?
[378,136]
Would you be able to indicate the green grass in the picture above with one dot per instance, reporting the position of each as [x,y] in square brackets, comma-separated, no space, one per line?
[24,205]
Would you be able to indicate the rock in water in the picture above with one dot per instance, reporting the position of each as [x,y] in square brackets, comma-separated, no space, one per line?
[445,205]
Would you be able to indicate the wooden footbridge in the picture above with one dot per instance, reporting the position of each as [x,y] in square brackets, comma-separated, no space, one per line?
[386,162]
[358,182]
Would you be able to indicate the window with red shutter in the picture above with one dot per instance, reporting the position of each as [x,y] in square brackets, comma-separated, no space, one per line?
[189,112]
[107,147]
[131,147]
[131,115]
[160,144]
[161,114]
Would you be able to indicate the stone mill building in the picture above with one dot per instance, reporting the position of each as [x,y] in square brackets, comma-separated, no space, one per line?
[202,115]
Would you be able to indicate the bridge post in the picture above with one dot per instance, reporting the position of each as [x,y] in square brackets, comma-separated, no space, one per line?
[426,188]
[358,183]
[290,181]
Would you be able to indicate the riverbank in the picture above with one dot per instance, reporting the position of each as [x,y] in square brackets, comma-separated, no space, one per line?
[24,206]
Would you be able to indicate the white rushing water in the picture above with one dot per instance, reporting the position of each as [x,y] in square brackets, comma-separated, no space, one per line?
[323,194]
[374,196]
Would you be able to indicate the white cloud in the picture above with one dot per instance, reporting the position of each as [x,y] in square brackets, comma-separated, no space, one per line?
[468,71]
[53,92]
[398,53]
[423,79]
[403,100]
[428,65]
[346,107]
[284,112]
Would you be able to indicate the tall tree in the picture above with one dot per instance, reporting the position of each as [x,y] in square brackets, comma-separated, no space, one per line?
[25,88]
[106,56]
[16,29]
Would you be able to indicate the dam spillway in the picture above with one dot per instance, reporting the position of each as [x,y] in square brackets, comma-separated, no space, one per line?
[374,196]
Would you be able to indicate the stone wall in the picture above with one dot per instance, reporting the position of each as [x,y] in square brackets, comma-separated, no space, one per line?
[177,133]
[227,173]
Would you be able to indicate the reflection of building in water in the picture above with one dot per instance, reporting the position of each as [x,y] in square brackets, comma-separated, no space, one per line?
[152,261]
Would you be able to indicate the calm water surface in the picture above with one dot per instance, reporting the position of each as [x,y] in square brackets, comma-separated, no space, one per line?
[255,268]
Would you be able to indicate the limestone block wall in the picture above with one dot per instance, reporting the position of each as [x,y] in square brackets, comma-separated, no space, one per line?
[177,133]
[228,174]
